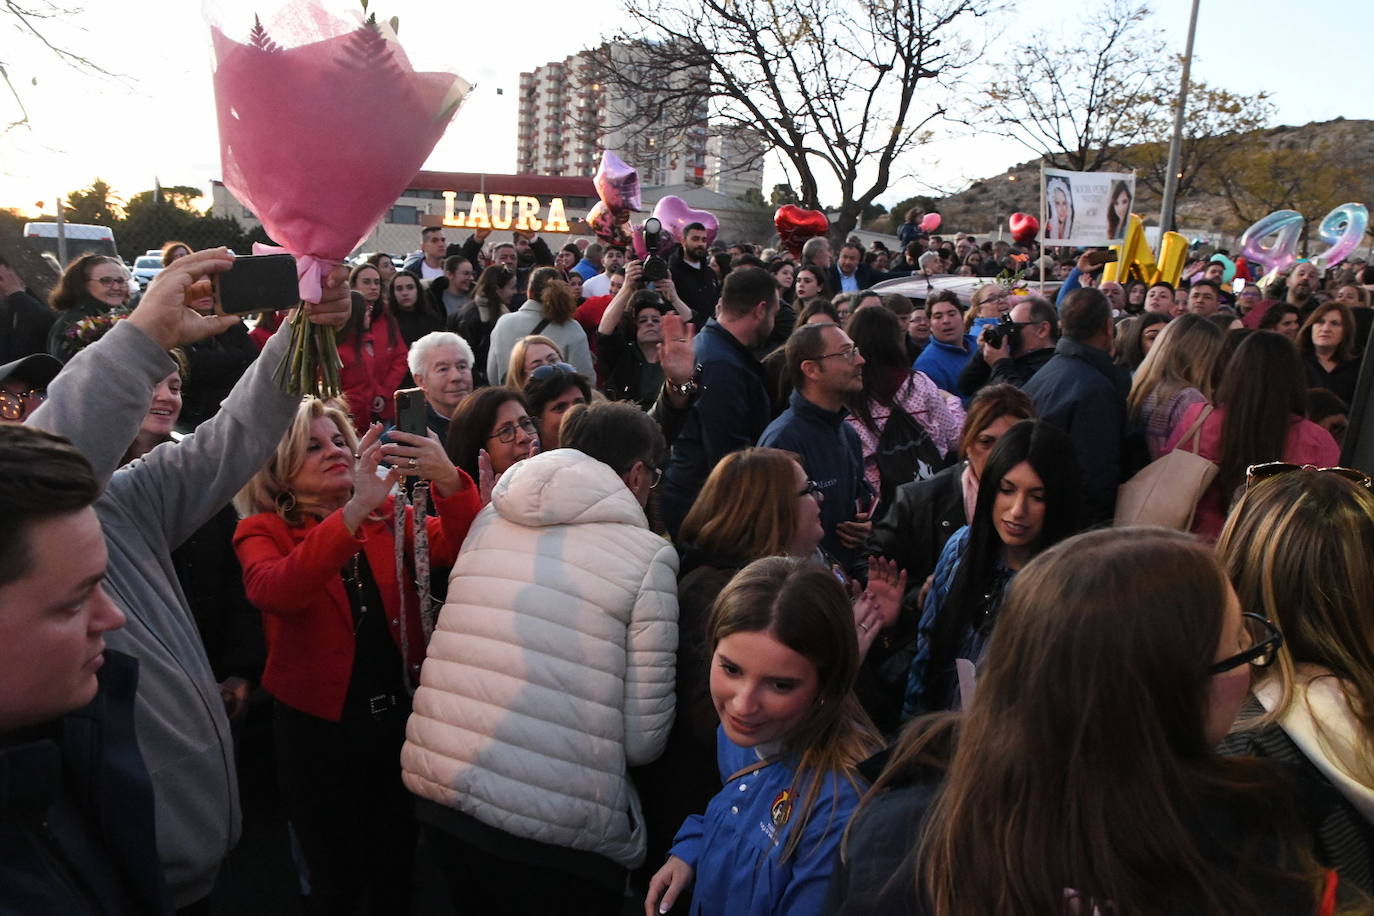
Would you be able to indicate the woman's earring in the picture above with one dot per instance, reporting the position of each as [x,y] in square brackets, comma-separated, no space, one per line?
[286,502]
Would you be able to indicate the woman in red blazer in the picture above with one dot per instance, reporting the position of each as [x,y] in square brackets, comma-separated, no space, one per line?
[345,640]
[373,352]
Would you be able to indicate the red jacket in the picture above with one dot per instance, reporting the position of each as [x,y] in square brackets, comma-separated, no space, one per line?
[368,376]
[292,575]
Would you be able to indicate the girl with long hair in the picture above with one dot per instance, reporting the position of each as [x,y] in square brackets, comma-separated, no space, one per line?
[1082,779]
[924,514]
[345,639]
[1136,336]
[528,354]
[548,312]
[373,352]
[785,654]
[1029,499]
[492,296]
[891,387]
[785,275]
[1296,549]
[810,284]
[414,311]
[1259,416]
[1176,374]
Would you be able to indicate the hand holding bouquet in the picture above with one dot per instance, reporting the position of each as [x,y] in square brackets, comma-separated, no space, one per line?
[285,99]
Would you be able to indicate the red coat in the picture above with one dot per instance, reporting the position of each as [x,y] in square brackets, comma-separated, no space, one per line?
[368,376]
[292,575]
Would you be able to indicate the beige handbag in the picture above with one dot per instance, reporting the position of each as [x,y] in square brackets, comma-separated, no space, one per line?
[1167,490]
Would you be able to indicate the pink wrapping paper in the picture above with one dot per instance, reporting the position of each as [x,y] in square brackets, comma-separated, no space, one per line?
[322,125]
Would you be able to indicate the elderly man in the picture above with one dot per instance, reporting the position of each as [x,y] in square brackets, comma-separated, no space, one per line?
[441,364]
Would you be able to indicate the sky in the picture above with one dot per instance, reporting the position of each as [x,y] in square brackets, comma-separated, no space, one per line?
[154,119]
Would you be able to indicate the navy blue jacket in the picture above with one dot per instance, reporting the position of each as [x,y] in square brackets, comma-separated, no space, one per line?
[730,412]
[865,276]
[1082,392]
[76,810]
[833,455]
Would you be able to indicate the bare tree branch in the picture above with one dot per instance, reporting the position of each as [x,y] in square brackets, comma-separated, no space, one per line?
[840,89]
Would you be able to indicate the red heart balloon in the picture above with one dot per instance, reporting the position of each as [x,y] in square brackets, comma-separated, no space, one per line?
[1024,227]
[796,225]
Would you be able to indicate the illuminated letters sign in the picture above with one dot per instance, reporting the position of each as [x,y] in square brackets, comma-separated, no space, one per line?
[503,211]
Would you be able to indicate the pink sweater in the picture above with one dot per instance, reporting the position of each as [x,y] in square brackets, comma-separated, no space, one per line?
[1307,443]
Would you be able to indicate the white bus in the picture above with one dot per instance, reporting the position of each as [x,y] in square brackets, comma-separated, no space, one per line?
[82,238]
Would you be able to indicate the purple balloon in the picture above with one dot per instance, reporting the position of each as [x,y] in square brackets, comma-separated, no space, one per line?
[617,184]
[676,216]
[1279,256]
[608,224]
[1342,229]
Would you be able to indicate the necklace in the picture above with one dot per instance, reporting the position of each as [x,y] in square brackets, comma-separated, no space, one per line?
[353,581]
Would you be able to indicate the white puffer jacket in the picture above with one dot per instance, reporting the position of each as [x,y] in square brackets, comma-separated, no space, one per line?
[551,667]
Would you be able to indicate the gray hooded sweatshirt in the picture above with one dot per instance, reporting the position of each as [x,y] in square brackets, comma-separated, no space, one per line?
[148,508]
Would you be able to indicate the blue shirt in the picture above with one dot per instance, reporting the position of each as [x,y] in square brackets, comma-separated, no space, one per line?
[735,846]
[943,362]
[850,283]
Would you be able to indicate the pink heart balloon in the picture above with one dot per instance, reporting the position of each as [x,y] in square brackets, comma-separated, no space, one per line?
[676,216]
[930,222]
[617,184]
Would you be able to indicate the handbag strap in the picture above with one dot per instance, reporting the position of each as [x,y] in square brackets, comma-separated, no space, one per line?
[1194,434]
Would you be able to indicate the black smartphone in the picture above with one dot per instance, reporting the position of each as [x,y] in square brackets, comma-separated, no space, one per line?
[257,283]
[410,411]
[1101,256]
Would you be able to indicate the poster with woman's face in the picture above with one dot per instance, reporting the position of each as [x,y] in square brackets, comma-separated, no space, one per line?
[1087,208]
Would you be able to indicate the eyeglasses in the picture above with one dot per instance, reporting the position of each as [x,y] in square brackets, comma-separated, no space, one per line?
[658,478]
[111,281]
[813,489]
[508,432]
[1258,472]
[12,403]
[1265,640]
[549,369]
[848,354]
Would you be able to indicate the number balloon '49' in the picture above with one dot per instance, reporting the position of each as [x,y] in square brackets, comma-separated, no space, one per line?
[1342,229]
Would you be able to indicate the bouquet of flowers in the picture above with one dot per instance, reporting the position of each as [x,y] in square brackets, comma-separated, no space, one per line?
[88,330]
[289,99]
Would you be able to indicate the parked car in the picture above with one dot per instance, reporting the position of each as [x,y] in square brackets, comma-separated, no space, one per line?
[145,268]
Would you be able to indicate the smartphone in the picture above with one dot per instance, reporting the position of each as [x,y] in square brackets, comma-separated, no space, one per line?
[257,283]
[410,411]
[1101,256]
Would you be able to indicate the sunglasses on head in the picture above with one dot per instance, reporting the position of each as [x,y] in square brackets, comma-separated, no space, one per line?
[549,369]
[1257,472]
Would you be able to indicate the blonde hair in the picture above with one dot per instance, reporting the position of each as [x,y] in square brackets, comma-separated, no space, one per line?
[1184,356]
[748,506]
[516,376]
[1296,548]
[269,490]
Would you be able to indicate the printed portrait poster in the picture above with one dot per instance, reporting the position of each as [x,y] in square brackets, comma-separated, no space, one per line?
[1086,208]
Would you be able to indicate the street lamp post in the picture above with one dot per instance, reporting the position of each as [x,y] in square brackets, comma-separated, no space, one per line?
[1166,210]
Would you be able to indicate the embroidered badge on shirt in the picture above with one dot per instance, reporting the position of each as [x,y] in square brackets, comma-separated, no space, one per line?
[781,808]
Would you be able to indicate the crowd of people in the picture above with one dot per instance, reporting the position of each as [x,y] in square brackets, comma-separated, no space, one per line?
[747,589]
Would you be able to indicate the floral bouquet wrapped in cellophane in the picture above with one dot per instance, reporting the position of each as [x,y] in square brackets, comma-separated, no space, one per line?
[322,125]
